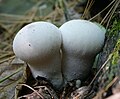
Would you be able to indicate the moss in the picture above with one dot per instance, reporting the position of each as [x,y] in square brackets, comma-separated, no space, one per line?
[116,53]
[115,29]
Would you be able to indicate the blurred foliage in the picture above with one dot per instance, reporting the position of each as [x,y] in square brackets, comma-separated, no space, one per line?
[15,6]
[19,7]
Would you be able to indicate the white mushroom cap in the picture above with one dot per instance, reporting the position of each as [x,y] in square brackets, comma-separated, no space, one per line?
[38,44]
[82,41]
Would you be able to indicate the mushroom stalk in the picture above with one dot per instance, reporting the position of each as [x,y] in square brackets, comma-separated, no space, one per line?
[76,67]
[49,69]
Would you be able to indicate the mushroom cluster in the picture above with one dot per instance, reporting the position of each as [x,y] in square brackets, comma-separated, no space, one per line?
[39,45]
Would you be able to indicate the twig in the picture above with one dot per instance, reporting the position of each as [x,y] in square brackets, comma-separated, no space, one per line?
[111,9]
[7,59]
[65,10]
[45,89]
[102,10]
[7,77]
[13,16]
[116,5]
[87,8]
[5,55]
[111,83]
[100,69]
[32,90]
[4,27]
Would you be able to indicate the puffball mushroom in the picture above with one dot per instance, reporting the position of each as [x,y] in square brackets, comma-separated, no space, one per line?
[38,44]
[82,41]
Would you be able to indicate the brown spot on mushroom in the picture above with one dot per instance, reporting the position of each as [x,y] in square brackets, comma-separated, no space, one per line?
[30,45]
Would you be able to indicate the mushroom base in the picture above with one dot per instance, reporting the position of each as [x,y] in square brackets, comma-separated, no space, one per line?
[51,70]
[76,68]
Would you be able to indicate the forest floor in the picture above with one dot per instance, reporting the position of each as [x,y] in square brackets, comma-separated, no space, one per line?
[14,73]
